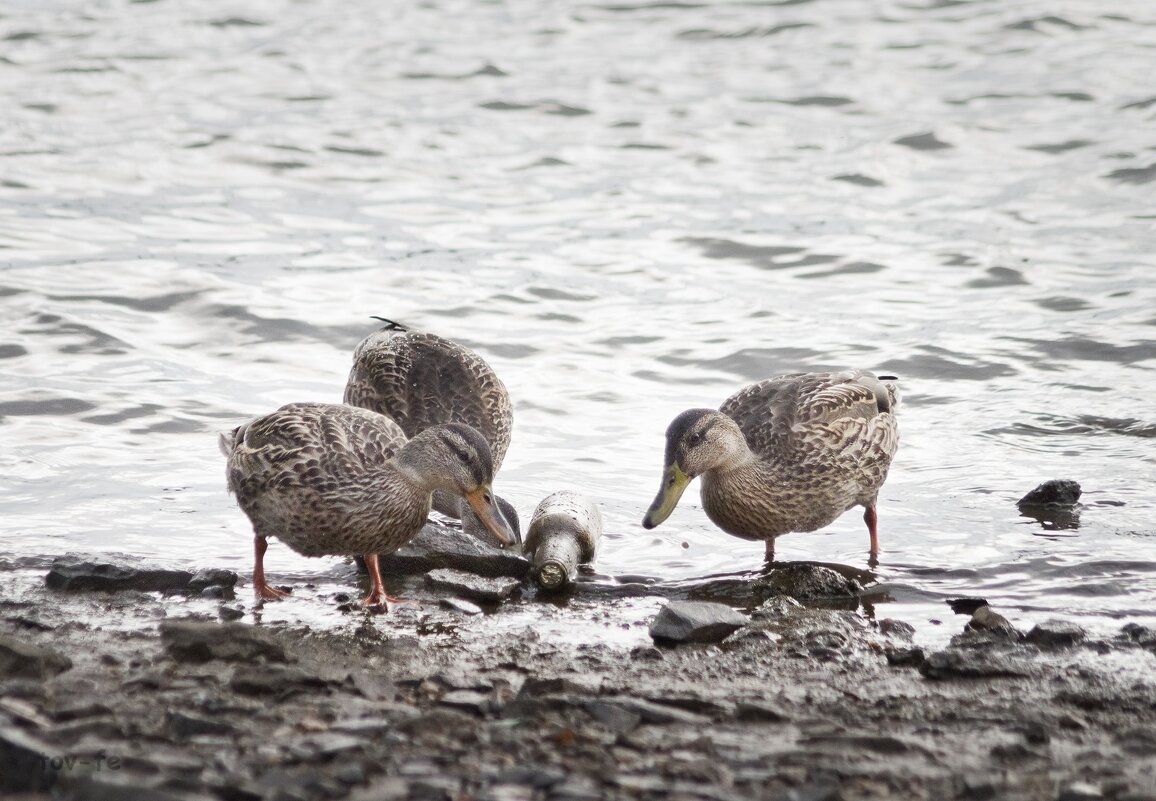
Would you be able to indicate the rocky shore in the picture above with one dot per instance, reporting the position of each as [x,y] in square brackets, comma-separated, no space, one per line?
[112,685]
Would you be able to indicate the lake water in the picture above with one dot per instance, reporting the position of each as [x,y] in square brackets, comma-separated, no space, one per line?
[629,208]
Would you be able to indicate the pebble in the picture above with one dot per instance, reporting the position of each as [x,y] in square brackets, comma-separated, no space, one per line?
[437,546]
[25,660]
[986,619]
[473,586]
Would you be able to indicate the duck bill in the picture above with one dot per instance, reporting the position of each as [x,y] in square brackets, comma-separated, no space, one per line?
[674,481]
[482,502]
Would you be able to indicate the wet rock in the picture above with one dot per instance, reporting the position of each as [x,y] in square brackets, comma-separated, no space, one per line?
[182,726]
[280,682]
[1058,492]
[652,712]
[471,701]
[965,664]
[535,777]
[110,785]
[209,577]
[695,622]
[72,573]
[614,716]
[229,613]
[1056,634]
[760,712]
[28,764]
[905,657]
[200,641]
[776,608]
[807,582]
[1141,635]
[966,606]
[25,660]
[473,586]
[437,546]
[986,619]
[896,628]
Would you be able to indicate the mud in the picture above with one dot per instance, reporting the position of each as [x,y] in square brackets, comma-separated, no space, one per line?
[568,699]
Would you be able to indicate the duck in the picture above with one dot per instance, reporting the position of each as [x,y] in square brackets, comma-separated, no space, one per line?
[334,479]
[420,379]
[787,454]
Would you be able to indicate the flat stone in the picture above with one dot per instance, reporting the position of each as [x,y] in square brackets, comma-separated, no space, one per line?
[25,660]
[461,605]
[473,586]
[182,726]
[467,700]
[437,546]
[614,717]
[652,712]
[695,622]
[200,641]
[73,573]
[277,681]
[986,619]
[1056,634]
[759,712]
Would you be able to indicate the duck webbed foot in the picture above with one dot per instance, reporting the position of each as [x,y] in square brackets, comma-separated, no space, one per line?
[261,588]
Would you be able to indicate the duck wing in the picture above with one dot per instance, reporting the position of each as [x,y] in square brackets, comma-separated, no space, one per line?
[421,380]
[845,413]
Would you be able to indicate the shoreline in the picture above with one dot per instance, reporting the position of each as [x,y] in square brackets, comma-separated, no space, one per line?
[434,700]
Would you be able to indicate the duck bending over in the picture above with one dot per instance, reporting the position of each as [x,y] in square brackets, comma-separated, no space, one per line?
[790,453]
[332,479]
[419,380]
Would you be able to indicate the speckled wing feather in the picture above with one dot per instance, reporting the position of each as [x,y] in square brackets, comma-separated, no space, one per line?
[319,446]
[421,380]
[848,414]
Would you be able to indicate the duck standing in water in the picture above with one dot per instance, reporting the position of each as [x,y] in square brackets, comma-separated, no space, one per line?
[419,380]
[331,479]
[790,453]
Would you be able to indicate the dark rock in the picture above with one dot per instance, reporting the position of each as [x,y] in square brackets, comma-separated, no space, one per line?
[963,664]
[212,577]
[24,660]
[652,712]
[437,546]
[182,726]
[695,621]
[277,681]
[1058,492]
[1141,635]
[218,594]
[473,586]
[896,628]
[74,573]
[199,641]
[985,619]
[905,657]
[115,785]
[467,700]
[1056,634]
[646,653]
[759,712]
[229,613]
[806,582]
[27,764]
[966,606]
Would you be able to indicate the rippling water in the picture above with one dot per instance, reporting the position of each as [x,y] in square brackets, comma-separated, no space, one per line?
[630,208]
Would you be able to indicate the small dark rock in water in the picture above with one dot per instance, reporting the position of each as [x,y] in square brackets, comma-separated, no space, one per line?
[198,641]
[437,546]
[905,657]
[1142,635]
[76,574]
[985,619]
[1059,492]
[966,606]
[1056,634]
[472,586]
[230,612]
[25,660]
[695,621]
[805,581]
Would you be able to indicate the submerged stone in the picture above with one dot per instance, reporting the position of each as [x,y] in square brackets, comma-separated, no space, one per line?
[805,582]
[74,573]
[695,621]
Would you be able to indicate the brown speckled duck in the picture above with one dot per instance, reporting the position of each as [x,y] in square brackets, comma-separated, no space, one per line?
[335,479]
[419,380]
[790,453]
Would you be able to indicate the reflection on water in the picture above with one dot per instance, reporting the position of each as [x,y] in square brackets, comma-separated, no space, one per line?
[630,209]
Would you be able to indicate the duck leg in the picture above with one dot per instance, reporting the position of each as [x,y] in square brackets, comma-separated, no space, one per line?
[871,519]
[377,594]
[261,587]
[771,549]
